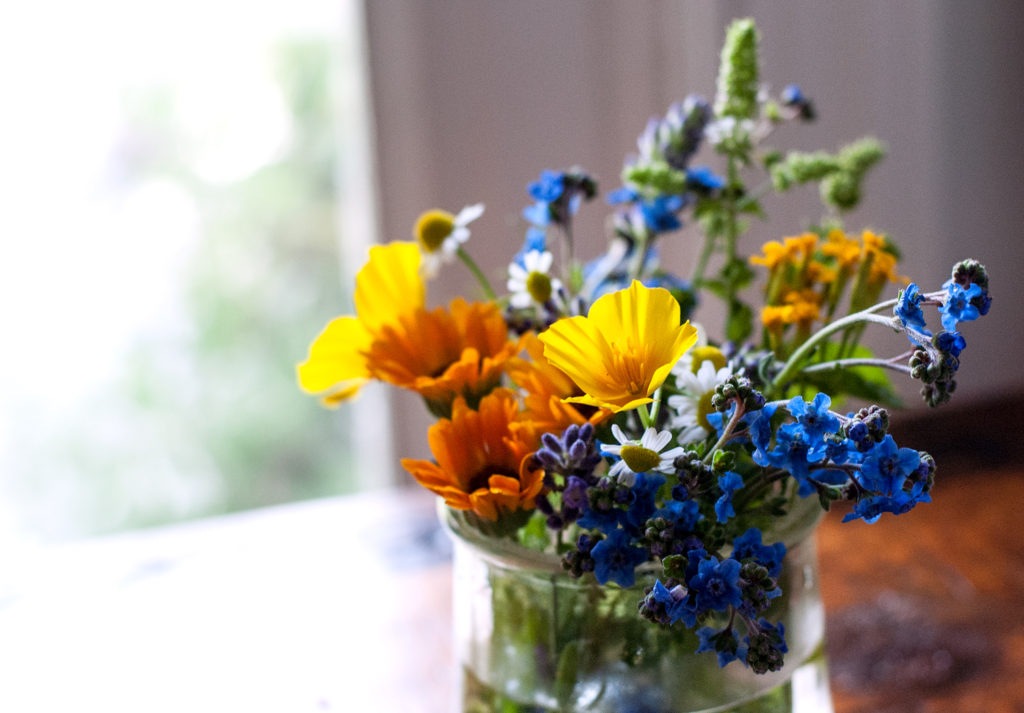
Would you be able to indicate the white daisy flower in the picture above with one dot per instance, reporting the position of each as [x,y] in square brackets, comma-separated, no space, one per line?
[693,404]
[529,283]
[641,456]
[439,234]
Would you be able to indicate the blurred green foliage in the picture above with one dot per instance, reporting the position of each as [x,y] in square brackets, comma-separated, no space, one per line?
[205,416]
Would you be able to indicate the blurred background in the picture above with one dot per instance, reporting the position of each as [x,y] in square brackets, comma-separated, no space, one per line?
[189,189]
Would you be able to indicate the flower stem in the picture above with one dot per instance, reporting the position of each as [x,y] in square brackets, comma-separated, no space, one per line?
[727,431]
[656,407]
[841,363]
[645,416]
[792,365]
[477,272]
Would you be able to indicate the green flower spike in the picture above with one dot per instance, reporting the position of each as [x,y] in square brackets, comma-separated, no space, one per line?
[738,75]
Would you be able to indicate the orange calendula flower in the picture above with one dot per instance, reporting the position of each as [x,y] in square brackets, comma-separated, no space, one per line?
[483,458]
[440,353]
[444,353]
[546,389]
[621,352]
[388,288]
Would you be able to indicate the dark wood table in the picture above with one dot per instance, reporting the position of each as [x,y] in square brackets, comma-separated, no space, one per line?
[344,605]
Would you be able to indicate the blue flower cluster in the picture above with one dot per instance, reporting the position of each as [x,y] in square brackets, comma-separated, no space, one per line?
[936,358]
[677,520]
[838,457]
[683,519]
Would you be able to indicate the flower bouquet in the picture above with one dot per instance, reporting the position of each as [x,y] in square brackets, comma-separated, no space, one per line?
[630,490]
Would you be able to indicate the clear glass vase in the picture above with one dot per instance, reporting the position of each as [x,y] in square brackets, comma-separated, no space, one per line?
[530,638]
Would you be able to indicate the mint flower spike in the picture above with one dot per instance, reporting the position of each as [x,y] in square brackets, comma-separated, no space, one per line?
[738,74]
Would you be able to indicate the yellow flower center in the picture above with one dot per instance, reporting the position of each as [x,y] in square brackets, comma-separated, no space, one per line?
[703,409]
[629,371]
[703,354]
[539,286]
[432,228]
[639,459]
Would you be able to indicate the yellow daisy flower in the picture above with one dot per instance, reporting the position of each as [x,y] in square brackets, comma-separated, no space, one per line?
[775,253]
[621,352]
[845,250]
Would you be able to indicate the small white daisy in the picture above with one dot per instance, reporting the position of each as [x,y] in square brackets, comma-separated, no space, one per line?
[640,456]
[529,283]
[439,234]
[693,404]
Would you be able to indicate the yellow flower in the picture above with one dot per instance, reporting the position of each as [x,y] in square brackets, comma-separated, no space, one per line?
[775,253]
[882,260]
[845,250]
[388,288]
[776,317]
[621,352]
[802,245]
[806,307]
[440,353]
[483,458]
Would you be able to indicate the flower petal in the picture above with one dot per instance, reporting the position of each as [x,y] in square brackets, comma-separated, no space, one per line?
[389,285]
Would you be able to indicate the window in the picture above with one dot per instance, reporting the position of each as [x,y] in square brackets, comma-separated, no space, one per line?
[171,174]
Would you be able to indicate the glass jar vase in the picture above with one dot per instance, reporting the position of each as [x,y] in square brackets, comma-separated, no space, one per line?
[530,638]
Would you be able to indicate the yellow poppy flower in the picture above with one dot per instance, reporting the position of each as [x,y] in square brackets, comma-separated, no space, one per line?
[621,352]
[484,458]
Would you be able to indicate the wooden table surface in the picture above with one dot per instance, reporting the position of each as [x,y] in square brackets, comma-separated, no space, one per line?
[344,605]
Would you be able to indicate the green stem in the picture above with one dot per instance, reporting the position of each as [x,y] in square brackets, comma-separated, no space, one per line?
[568,250]
[726,432]
[702,261]
[477,272]
[792,365]
[732,223]
[645,416]
[841,363]
[656,407]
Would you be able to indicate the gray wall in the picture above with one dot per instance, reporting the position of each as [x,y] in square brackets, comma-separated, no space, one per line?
[472,99]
